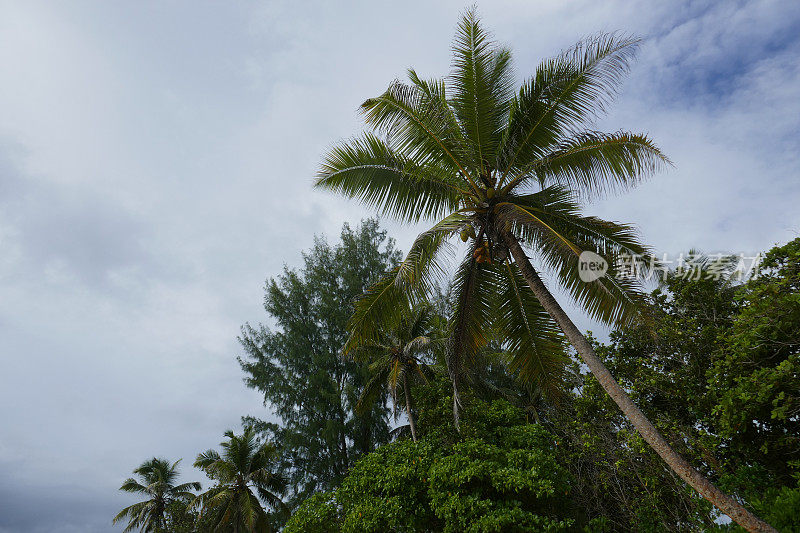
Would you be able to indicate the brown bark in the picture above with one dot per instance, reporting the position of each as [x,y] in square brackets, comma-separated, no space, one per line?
[407,392]
[725,503]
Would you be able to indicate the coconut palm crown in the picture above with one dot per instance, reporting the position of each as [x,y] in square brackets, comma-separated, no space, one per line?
[244,472]
[395,361]
[485,161]
[507,170]
[158,478]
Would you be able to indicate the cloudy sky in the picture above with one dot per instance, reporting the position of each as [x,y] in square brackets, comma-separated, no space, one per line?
[156,161]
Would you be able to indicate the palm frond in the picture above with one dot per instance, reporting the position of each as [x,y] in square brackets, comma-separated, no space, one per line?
[185,487]
[207,459]
[481,85]
[273,500]
[131,485]
[395,294]
[419,323]
[592,164]
[434,98]
[473,285]
[417,344]
[374,388]
[400,431]
[369,170]
[417,128]
[533,225]
[368,352]
[134,512]
[565,92]
[532,342]
[558,234]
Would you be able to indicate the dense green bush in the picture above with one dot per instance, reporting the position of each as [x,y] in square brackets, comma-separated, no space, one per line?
[717,372]
[499,474]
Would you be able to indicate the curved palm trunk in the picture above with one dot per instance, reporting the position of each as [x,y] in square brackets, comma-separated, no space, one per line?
[678,464]
[407,392]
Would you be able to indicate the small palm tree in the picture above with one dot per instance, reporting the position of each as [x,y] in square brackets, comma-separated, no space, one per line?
[395,360]
[244,473]
[506,170]
[158,478]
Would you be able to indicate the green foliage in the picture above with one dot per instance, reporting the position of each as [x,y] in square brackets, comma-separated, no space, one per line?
[166,502]
[398,359]
[298,365]
[507,166]
[245,477]
[755,379]
[717,371]
[615,481]
[780,507]
[617,478]
[581,466]
[183,518]
[498,474]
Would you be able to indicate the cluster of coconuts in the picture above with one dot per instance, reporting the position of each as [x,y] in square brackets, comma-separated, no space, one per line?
[481,253]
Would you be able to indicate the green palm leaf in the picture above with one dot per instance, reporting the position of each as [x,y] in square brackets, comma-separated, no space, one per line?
[533,345]
[396,293]
[418,129]
[566,92]
[369,170]
[243,471]
[482,82]
[473,288]
[592,164]
[157,483]
[551,225]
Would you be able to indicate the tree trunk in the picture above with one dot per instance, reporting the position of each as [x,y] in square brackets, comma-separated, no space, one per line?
[728,505]
[407,392]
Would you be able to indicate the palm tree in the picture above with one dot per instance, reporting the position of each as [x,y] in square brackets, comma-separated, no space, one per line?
[507,170]
[244,473]
[158,484]
[395,362]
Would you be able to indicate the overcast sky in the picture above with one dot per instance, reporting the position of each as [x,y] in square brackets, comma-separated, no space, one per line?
[156,161]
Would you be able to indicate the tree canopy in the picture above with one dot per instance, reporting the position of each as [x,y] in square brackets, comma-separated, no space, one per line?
[716,369]
[298,367]
[157,482]
[507,169]
[498,474]
[679,369]
[707,366]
